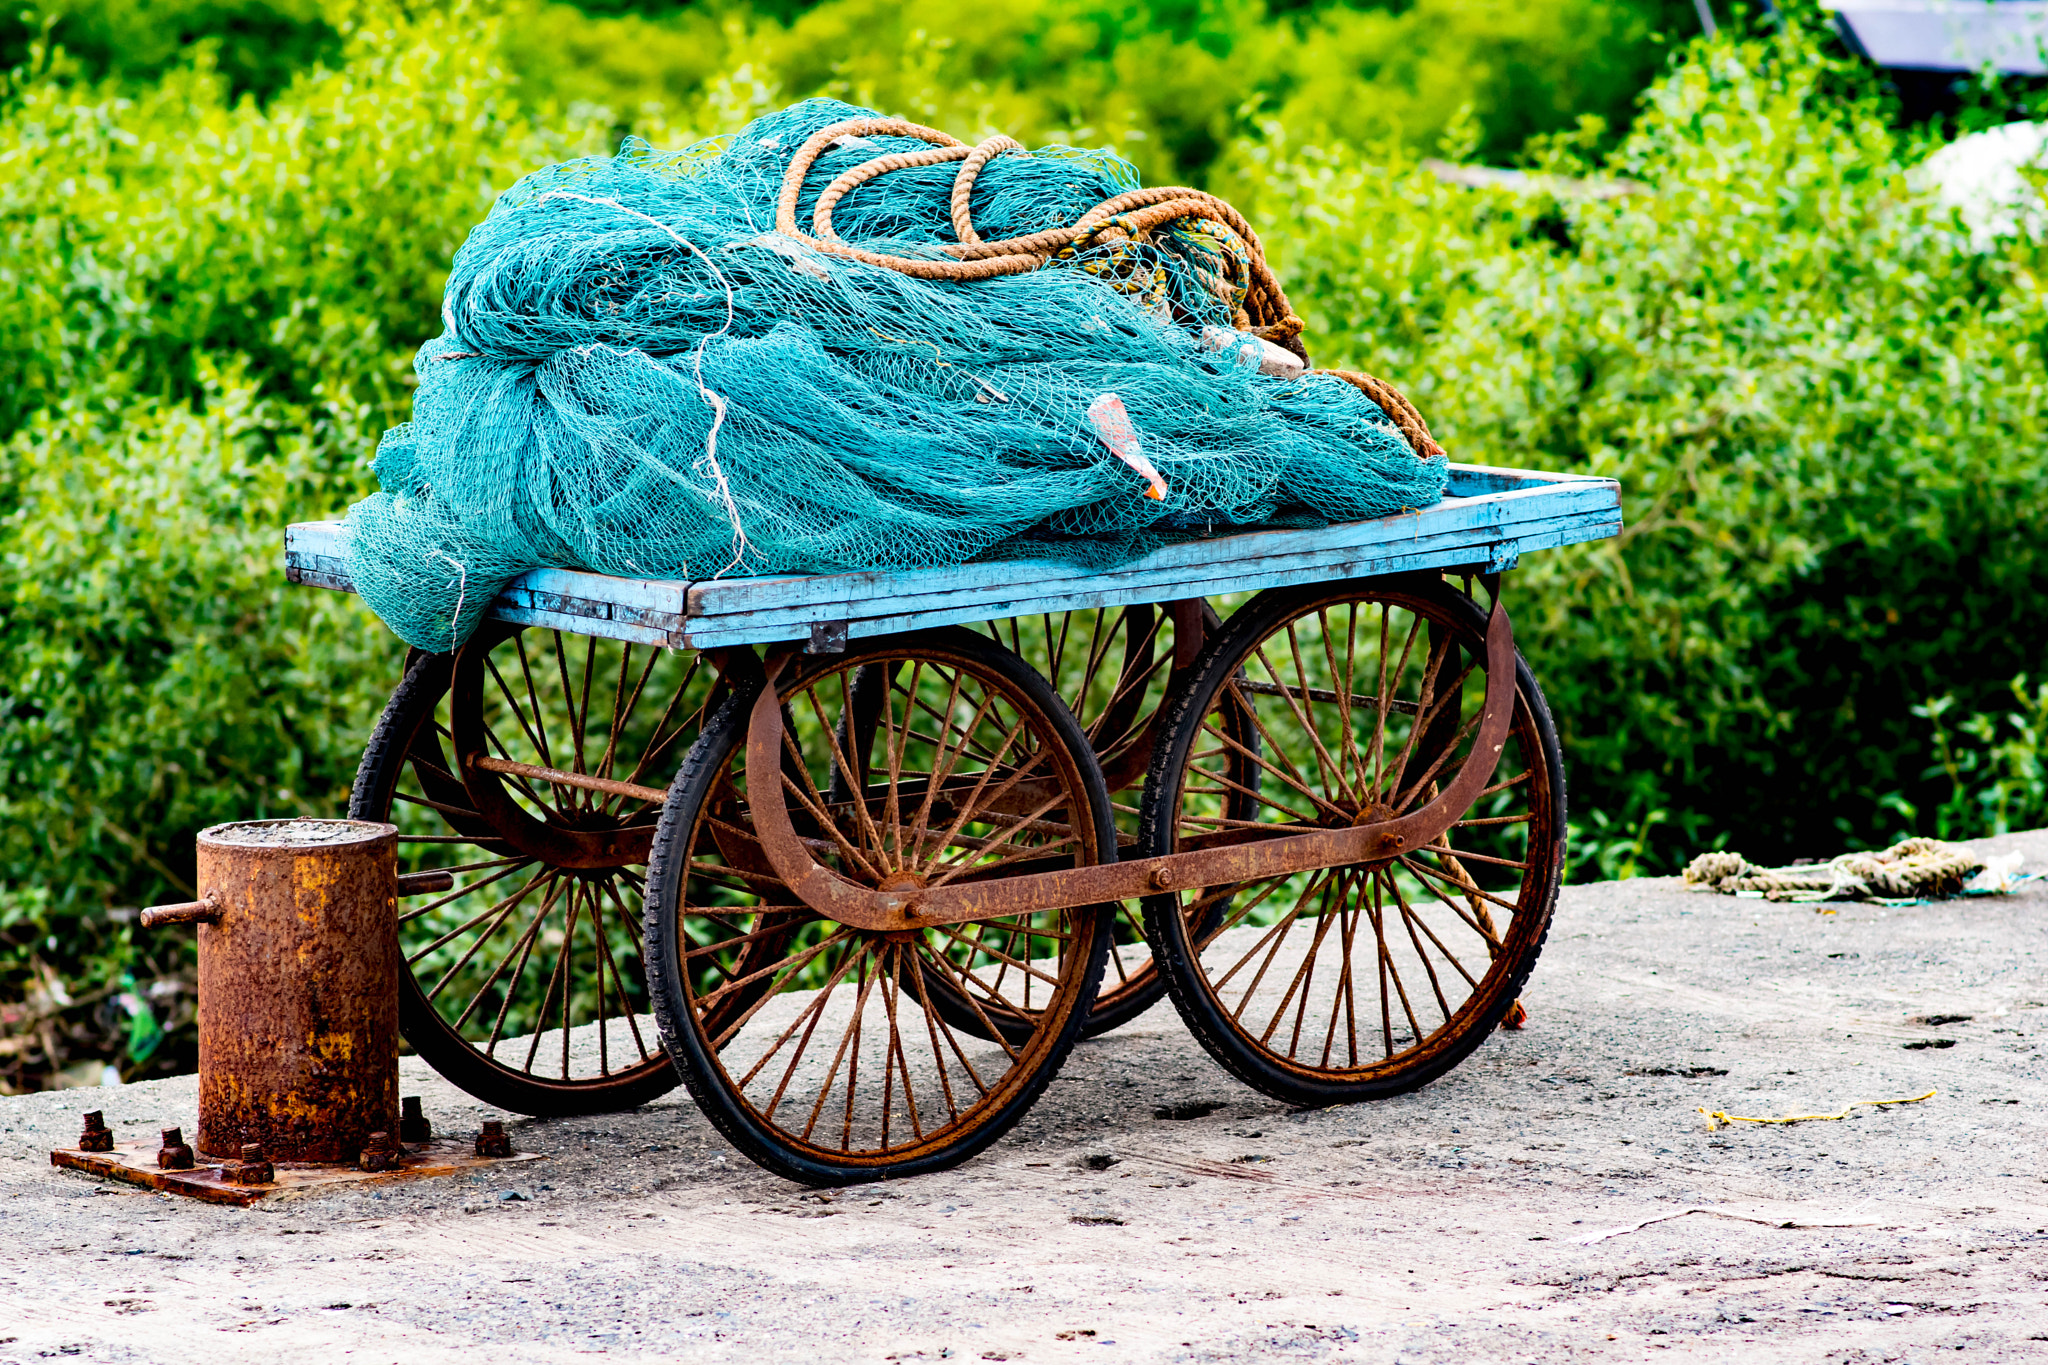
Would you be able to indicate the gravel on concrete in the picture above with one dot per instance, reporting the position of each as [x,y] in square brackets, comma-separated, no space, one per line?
[1152,1209]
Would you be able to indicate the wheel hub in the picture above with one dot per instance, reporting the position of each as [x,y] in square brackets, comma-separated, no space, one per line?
[902,882]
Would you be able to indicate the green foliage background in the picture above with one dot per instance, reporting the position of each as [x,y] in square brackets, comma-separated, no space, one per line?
[224,226]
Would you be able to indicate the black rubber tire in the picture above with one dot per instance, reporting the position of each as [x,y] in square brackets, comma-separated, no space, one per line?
[418,693]
[1186,980]
[723,737]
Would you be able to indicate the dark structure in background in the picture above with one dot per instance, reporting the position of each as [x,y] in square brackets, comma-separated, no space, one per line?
[1931,48]
[2008,36]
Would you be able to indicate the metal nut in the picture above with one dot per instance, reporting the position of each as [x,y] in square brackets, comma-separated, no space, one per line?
[96,1137]
[176,1153]
[252,1169]
[380,1155]
[492,1141]
[413,1126]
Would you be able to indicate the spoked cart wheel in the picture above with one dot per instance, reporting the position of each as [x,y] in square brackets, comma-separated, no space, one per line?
[1114,666]
[530,766]
[1370,978]
[870,1043]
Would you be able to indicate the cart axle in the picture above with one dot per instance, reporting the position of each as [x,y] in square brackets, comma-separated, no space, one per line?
[1235,856]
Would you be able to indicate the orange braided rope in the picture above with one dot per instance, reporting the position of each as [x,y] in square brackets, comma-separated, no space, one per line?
[1124,215]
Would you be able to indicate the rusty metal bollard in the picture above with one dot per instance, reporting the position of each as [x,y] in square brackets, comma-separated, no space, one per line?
[298,988]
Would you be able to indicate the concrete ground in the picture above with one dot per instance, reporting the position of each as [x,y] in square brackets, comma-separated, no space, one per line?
[1502,1214]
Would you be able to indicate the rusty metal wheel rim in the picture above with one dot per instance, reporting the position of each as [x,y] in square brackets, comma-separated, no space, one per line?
[1428,921]
[538,938]
[939,1084]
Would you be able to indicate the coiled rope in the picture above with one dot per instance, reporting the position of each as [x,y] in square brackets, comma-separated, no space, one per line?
[1911,870]
[1128,216]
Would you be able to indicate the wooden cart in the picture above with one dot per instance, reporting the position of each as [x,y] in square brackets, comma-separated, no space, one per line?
[873,882]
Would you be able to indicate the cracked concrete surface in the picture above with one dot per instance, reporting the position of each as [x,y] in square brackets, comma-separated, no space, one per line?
[1153,1209]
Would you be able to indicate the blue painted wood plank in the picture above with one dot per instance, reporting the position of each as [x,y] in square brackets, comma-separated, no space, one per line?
[639,610]
[884,616]
[991,601]
[1490,519]
[1475,480]
[1473,523]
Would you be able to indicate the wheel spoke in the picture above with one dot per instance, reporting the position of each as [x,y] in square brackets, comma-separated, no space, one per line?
[526,939]
[1343,1003]
[812,1013]
[413,959]
[1413,922]
[1285,770]
[1379,933]
[1465,888]
[457,894]
[982,946]
[525,947]
[1427,704]
[518,714]
[540,738]
[657,743]
[1485,931]
[1385,693]
[1305,973]
[870,837]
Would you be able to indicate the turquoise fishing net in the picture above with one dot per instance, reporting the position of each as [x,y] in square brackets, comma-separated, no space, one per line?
[639,376]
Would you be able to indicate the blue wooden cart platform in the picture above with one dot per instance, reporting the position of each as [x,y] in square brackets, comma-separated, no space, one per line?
[1487,520]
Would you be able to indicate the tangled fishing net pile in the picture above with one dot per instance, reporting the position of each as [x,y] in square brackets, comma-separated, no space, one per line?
[836,341]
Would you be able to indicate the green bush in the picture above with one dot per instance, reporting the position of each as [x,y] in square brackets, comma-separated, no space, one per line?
[1995,766]
[258,46]
[159,675]
[1828,413]
[207,314]
[1170,85]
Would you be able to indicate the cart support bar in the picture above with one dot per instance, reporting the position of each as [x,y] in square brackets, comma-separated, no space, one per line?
[566,779]
[849,903]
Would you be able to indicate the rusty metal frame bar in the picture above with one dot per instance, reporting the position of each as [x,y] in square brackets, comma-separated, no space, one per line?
[560,777]
[1245,857]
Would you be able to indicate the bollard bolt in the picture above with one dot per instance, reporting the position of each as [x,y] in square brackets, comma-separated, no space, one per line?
[96,1137]
[175,1154]
[380,1155]
[412,1123]
[492,1141]
[252,1169]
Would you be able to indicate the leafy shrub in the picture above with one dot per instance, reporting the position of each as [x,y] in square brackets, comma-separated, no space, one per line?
[1826,410]
[207,315]
[159,678]
[1995,765]
[1170,85]
[258,46]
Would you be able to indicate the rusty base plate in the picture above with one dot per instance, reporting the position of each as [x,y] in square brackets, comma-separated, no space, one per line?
[134,1163]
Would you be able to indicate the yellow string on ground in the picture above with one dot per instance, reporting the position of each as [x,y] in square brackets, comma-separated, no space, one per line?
[1720,1118]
